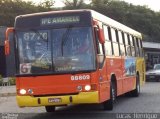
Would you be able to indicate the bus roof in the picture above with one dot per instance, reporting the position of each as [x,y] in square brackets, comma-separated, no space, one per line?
[114,24]
[98,16]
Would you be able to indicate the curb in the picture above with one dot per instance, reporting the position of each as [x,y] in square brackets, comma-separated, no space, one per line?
[7,94]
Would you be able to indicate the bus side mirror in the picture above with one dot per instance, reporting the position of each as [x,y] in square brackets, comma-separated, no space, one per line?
[101,36]
[100,32]
[6,43]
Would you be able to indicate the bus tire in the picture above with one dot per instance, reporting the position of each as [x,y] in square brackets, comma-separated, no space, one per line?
[50,108]
[136,92]
[108,105]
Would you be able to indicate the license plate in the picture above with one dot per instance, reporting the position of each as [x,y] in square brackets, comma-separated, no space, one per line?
[152,77]
[54,100]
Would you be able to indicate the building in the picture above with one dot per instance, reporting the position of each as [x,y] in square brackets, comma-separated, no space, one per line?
[152,54]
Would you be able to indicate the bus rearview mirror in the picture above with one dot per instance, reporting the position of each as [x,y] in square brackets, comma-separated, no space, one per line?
[100,31]
[101,36]
[7,47]
[7,44]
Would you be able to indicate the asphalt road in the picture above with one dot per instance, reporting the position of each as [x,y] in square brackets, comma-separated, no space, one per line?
[147,102]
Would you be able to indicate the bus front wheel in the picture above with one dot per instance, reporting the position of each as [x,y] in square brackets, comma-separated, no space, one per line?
[108,105]
[50,108]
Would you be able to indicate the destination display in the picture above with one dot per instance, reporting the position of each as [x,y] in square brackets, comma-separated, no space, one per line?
[58,20]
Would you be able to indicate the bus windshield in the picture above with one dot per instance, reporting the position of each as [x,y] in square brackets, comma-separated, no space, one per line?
[56,50]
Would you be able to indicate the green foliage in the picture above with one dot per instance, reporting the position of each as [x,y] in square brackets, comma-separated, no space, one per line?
[48,4]
[73,4]
[9,9]
[12,80]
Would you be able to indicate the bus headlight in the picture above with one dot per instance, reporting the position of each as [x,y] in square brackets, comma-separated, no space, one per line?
[22,91]
[87,87]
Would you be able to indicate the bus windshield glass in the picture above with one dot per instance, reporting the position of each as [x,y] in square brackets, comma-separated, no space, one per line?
[55,50]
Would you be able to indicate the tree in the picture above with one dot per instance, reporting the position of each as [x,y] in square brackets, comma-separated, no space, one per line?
[48,4]
[9,9]
[73,4]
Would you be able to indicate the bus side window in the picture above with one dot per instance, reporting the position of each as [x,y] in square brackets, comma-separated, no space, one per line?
[115,42]
[97,41]
[140,47]
[100,50]
[123,38]
[132,45]
[121,43]
[108,44]
[137,46]
[101,56]
[128,49]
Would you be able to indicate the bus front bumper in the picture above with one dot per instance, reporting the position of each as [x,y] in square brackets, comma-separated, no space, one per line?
[81,98]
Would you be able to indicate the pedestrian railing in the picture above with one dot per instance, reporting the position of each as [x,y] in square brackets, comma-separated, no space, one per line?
[5,81]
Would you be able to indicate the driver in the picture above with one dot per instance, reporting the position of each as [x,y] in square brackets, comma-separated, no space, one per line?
[84,45]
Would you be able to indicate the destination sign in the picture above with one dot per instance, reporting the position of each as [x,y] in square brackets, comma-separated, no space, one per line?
[59,20]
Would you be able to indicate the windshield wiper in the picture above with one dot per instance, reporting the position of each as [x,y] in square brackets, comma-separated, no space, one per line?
[65,37]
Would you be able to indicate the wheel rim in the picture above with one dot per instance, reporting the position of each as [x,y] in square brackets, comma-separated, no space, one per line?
[138,87]
[138,84]
[113,94]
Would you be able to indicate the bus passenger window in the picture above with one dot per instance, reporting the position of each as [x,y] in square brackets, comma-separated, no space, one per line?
[128,48]
[113,34]
[137,46]
[101,56]
[108,45]
[124,43]
[131,40]
[126,39]
[140,47]
[115,43]
[120,37]
[106,32]
[122,48]
[132,46]
[100,49]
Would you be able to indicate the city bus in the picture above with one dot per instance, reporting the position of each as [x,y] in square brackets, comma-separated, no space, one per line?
[75,57]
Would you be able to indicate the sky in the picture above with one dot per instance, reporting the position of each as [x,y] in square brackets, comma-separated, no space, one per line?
[153,4]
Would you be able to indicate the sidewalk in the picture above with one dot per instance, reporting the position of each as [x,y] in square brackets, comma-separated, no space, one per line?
[7,91]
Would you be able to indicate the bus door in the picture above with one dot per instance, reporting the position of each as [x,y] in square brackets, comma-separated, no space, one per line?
[102,79]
